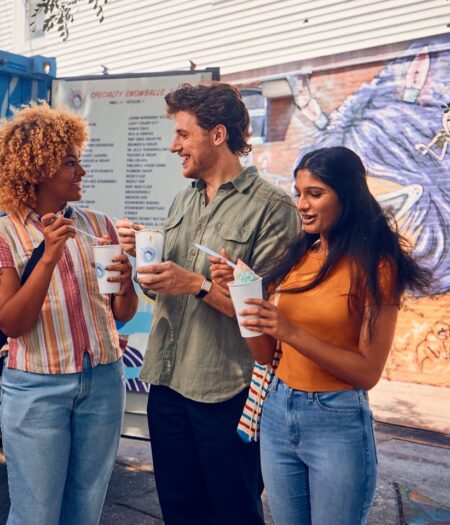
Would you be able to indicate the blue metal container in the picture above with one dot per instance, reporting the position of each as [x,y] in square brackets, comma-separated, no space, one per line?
[23,79]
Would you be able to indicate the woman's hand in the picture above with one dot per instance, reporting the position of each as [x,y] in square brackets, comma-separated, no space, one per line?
[122,265]
[221,272]
[104,240]
[125,301]
[57,230]
[127,240]
[268,320]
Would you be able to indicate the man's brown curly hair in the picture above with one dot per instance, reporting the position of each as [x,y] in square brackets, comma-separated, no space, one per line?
[32,146]
[213,104]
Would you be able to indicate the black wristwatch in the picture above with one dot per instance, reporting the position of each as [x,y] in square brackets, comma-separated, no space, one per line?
[204,288]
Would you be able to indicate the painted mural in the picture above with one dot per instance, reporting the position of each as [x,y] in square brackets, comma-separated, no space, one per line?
[396,115]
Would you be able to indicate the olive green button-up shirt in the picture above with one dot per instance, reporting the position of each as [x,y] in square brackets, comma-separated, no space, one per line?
[193,348]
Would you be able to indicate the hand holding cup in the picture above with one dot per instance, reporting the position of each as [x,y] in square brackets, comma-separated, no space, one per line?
[263,317]
[105,256]
[121,264]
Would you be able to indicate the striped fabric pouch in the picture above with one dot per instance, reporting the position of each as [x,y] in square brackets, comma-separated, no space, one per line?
[262,375]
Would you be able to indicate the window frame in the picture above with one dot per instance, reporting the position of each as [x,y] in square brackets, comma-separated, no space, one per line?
[256,112]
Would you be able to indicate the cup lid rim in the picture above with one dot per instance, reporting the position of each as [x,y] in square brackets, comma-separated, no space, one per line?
[150,230]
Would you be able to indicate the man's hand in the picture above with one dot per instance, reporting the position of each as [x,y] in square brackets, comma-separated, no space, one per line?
[127,240]
[169,278]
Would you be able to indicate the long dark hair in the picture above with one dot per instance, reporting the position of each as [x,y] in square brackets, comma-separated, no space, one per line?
[362,233]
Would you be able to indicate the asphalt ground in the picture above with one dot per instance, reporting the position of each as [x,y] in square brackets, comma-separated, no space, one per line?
[413,484]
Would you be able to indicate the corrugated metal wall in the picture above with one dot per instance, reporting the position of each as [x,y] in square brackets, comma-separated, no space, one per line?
[156,35]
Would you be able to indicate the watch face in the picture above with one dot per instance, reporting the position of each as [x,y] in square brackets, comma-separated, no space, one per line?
[204,289]
[207,284]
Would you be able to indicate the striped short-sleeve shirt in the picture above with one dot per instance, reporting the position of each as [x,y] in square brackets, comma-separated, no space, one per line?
[75,318]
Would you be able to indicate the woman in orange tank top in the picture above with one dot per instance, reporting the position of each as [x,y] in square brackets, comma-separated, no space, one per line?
[339,289]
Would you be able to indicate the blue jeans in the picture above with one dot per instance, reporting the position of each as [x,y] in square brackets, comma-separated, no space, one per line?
[318,456]
[60,438]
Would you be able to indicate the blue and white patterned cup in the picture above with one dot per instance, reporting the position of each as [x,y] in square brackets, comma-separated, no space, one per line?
[149,247]
[103,256]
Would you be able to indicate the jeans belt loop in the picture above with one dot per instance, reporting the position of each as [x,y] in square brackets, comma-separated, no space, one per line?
[362,393]
[86,360]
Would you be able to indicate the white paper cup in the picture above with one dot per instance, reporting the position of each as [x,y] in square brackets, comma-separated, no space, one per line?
[240,292]
[103,257]
[149,247]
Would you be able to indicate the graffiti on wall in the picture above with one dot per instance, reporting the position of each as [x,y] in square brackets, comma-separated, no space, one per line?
[397,118]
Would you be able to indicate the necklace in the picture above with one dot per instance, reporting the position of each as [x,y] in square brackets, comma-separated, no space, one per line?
[316,248]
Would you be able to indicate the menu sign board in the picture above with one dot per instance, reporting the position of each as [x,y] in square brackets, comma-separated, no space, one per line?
[130,171]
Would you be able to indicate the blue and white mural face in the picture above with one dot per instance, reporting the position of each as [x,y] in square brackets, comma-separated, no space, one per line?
[396,115]
[399,124]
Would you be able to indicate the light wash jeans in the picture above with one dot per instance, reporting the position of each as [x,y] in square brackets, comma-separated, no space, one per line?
[60,438]
[318,456]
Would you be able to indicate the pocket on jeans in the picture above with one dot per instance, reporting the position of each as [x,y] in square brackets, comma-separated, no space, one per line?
[342,401]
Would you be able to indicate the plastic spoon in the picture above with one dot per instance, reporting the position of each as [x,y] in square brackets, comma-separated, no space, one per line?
[214,254]
[89,235]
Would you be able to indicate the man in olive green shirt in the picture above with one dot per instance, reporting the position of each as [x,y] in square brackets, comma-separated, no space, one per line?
[197,362]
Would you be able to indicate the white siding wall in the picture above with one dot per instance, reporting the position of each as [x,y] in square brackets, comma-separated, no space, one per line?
[236,35]
[6,25]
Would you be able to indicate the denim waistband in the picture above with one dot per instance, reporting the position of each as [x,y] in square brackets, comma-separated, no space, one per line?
[311,395]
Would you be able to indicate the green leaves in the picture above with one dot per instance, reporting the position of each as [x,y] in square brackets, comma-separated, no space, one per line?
[60,13]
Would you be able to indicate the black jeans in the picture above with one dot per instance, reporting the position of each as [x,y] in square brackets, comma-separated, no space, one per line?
[205,474]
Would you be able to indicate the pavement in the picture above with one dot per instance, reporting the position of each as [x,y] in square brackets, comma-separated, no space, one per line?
[413,485]
[411,405]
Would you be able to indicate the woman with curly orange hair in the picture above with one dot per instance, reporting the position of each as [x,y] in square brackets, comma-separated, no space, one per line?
[63,385]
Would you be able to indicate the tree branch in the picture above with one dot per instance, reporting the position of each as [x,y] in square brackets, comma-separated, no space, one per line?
[59,13]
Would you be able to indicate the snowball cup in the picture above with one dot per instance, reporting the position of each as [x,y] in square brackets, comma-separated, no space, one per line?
[149,246]
[240,292]
[103,256]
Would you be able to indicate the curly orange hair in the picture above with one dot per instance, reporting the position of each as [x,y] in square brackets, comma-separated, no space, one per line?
[32,145]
